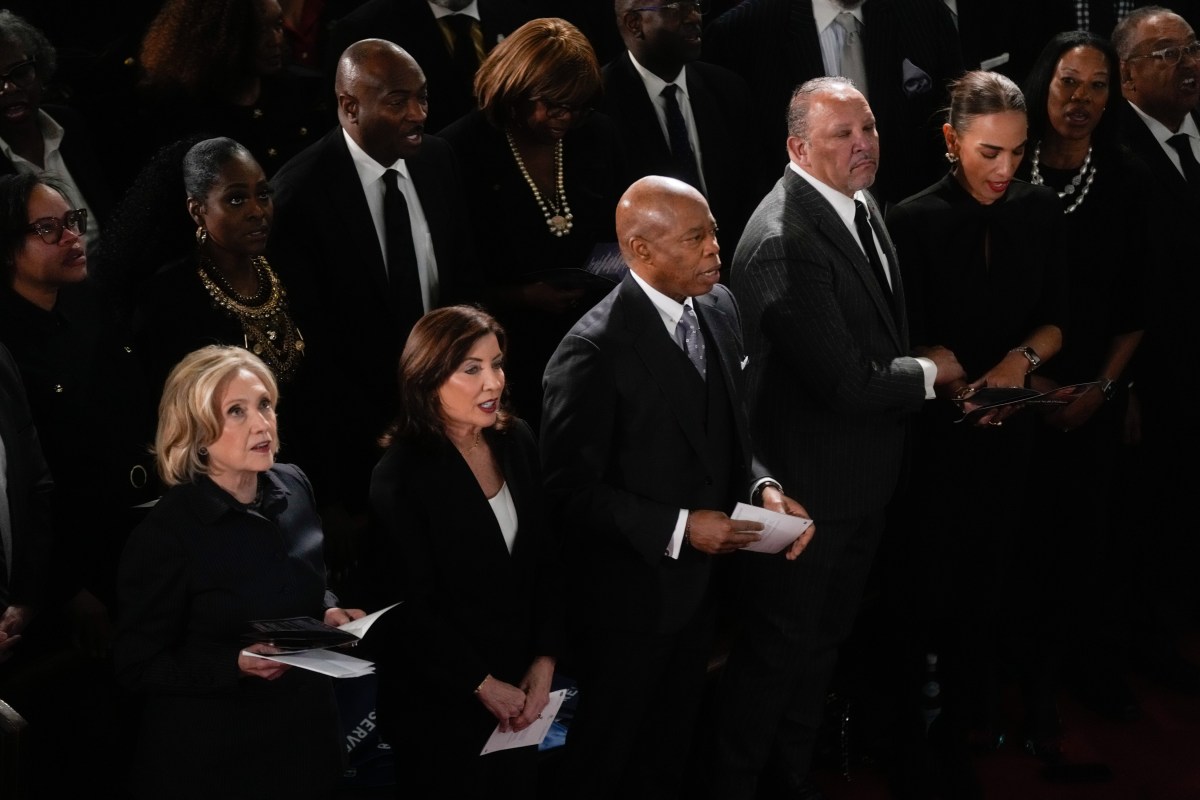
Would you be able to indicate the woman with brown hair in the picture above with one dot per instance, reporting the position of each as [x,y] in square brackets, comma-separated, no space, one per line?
[460,535]
[542,174]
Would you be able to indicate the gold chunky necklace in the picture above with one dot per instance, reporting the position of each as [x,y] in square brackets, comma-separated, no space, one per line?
[267,330]
[558,216]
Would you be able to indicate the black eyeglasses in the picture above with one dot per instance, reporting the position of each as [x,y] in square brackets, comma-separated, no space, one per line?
[559,111]
[1172,55]
[51,228]
[683,8]
[20,75]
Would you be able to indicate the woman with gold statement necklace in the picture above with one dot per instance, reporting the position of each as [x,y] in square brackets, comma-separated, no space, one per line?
[542,175]
[226,292]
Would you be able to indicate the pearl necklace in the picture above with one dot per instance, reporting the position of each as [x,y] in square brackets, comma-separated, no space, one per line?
[558,216]
[1086,171]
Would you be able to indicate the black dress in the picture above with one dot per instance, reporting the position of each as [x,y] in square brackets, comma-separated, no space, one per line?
[978,280]
[194,574]
[515,246]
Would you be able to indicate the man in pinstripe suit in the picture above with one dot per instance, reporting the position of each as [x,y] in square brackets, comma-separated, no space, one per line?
[830,384]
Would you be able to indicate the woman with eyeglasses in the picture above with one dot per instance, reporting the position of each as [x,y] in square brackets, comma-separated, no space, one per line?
[94,418]
[542,178]
[53,139]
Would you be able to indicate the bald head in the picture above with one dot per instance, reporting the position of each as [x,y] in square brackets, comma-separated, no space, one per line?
[668,236]
[382,99]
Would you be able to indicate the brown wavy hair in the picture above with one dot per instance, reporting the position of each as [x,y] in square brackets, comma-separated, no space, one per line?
[436,347]
[205,48]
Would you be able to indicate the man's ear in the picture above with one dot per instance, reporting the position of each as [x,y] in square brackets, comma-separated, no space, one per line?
[797,150]
[640,249]
[1126,74]
[630,24]
[348,107]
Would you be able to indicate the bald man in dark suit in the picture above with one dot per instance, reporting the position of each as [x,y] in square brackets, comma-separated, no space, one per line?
[645,451]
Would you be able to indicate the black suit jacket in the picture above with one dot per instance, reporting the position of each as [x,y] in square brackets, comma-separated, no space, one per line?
[29,490]
[410,24]
[470,608]
[1166,362]
[830,382]
[774,45]
[325,247]
[623,450]
[720,102]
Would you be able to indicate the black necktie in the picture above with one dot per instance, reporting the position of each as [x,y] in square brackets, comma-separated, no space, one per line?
[1191,168]
[865,234]
[681,146]
[403,281]
[466,60]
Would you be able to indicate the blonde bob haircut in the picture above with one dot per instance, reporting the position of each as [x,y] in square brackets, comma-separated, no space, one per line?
[544,59]
[189,414]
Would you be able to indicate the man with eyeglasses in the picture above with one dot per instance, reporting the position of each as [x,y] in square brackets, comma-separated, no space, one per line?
[34,141]
[681,117]
[1160,79]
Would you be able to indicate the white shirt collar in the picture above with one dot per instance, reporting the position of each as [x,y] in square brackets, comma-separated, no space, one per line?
[826,11]
[668,310]
[1162,132]
[472,10]
[370,170]
[843,205]
[52,136]
[655,84]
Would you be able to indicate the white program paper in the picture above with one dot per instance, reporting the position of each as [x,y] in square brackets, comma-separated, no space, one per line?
[779,530]
[532,735]
[326,662]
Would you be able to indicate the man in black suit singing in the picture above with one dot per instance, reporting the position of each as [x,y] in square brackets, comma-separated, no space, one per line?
[830,384]
[370,233]
[646,447]
[681,117]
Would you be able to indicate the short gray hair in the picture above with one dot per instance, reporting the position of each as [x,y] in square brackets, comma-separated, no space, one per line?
[801,102]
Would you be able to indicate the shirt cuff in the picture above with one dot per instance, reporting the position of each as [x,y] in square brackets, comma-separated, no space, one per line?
[930,370]
[676,543]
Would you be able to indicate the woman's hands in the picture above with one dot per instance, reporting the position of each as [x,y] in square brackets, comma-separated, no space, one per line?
[517,707]
[260,667]
[340,616]
[503,701]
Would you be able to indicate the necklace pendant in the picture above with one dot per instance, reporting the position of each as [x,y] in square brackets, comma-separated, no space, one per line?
[558,224]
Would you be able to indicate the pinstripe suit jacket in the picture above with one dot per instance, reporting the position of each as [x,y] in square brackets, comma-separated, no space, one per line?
[829,381]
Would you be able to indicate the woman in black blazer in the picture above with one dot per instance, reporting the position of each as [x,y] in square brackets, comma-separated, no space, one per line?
[236,538]
[461,537]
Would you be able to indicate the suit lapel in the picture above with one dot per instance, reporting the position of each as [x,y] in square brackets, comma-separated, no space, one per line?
[350,205]
[838,235]
[675,377]
[804,56]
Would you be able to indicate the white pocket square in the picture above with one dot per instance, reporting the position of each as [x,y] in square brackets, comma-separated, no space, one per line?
[744,362]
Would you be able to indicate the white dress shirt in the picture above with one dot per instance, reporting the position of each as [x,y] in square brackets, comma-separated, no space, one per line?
[370,174]
[830,35]
[654,87]
[1162,133]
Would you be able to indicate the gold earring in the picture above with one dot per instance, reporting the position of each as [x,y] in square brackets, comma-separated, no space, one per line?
[201,235]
